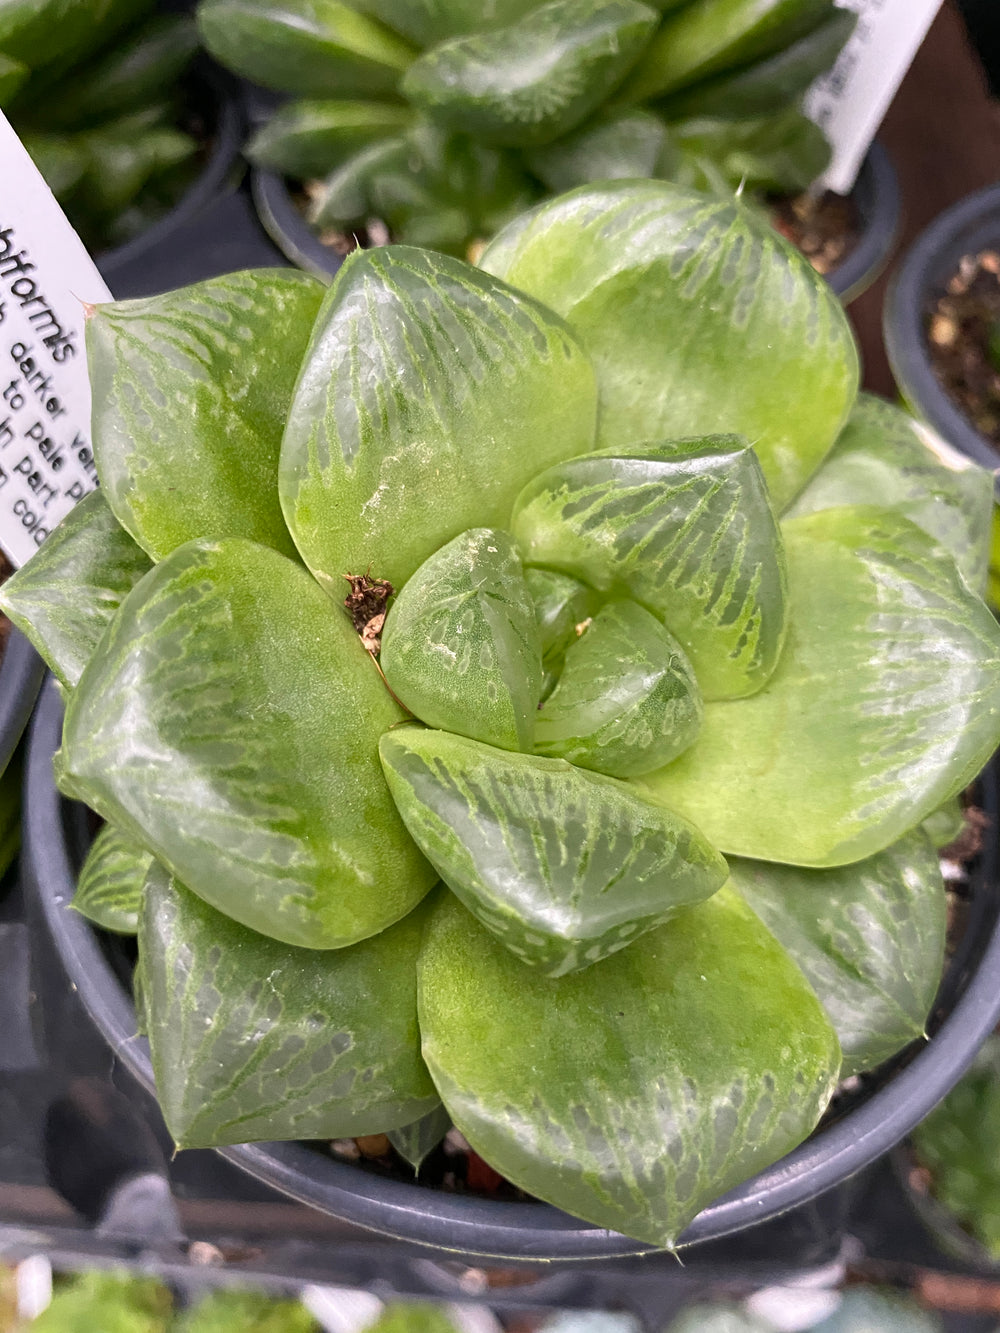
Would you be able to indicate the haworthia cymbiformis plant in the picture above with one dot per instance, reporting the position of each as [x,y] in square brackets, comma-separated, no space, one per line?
[65,597]
[684,527]
[214,363]
[640,1089]
[109,889]
[253,1039]
[458,371]
[884,704]
[630,264]
[461,648]
[869,938]
[229,722]
[627,700]
[565,866]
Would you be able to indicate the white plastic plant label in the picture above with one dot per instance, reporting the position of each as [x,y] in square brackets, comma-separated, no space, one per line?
[46,280]
[849,102]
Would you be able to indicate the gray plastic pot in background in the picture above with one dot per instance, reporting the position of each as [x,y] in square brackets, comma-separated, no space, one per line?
[940,1222]
[971,225]
[21,673]
[888,1105]
[876,195]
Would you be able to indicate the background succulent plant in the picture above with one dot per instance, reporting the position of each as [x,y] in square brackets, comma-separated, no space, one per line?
[446,119]
[91,88]
[682,887]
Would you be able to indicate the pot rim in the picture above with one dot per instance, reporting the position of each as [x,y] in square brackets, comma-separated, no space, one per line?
[965,227]
[465,1224]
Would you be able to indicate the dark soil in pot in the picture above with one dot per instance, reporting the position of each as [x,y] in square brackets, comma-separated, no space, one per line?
[963,339]
[874,1112]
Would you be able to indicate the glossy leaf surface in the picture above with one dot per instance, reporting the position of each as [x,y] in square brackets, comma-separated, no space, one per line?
[564,866]
[686,529]
[563,605]
[613,147]
[886,701]
[780,153]
[423,378]
[631,265]
[313,138]
[869,938]
[252,1039]
[109,889]
[191,390]
[768,84]
[65,597]
[641,1089]
[229,723]
[414,1142]
[427,22]
[13,75]
[883,453]
[541,77]
[627,700]
[59,32]
[309,48]
[711,36]
[460,647]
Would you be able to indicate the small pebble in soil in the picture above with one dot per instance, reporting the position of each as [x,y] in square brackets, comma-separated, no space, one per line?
[825,227]
[962,324]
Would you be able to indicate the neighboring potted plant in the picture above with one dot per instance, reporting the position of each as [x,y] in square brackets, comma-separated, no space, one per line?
[123,128]
[557,561]
[436,126]
[940,317]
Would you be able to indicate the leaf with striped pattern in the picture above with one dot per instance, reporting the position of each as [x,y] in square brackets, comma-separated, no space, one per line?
[536,79]
[415,1142]
[65,597]
[869,938]
[229,723]
[641,1089]
[424,378]
[563,865]
[460,647]
[109,887]
[314,138]
[627,700]
[191,390]
[699,319]
[882,452]
[885,703]
[252,1039]
[686,529]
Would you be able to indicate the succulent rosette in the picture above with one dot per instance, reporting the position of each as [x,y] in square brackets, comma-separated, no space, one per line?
[445,118]
[516,697]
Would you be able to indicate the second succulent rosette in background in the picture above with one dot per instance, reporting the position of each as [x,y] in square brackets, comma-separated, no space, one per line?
[594,822]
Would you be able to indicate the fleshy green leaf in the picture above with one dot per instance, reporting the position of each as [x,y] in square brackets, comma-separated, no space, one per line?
[309,48]
[460,647]
[536,79]
[252,1039]
[686,529]
[563,605]
[768,84]
[65,597]
[423,378]
[304,138]
[109,889]
[236,1310]
[945,823]
[712,36]
[113,1302]
[885,703]
[869,938]
[781,153]
[228,722]
[563,865]
[641,1089]
[427,22]
[13,76]
[884,454]
[191,390]
[627,700]
[615,147]
[414,1142]
[646,271]
[58,32]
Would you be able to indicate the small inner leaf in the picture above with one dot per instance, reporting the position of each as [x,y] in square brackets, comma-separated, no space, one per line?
[563,865]
[637,1091]
[252,1039]
[414,1142]
[686,529]
[460,647]
[627,700]
[109,889]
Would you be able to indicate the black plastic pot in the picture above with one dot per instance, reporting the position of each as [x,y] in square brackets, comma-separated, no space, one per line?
[21,673]
[971,225]
[214,93]
[876,195]
[893,1101]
